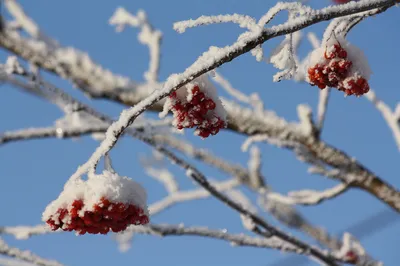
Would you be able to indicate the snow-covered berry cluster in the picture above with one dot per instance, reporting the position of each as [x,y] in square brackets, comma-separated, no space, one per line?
[339,65]
[196,105]
[100,204]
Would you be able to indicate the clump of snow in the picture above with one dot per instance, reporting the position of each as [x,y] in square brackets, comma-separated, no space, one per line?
[305,115]
[107,185]
[12,66]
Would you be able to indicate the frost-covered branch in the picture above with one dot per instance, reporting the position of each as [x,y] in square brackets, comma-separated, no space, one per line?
[182,196]
[25,255]
[253,99]
[164,230]
[391,117]
[309,197]
[165,177]
[258,221]
[291,7]
[27,23]
[323,94]
[234,240]
[54,132]
[322,108]
[242,20]
[25,232]
[284,57]
[254,166]
[148,36]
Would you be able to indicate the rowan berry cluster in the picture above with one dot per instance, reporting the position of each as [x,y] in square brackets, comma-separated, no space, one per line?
[197,110]
[336,71]
[103,217]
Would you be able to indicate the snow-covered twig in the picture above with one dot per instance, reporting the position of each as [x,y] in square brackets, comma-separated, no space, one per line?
[242,20]
[165,177]
[14,262]
[309,197]
[257,220]
[391,118]
[235,240]
[241,199]
[253,99]
[323,94]
[25,255]
[305,115]
[164,230]
[254,166]
[284,57]
[291,7]
[58,132]
[25,232]
[207,157]
[148,36]
[181,196]
[39,133]
[27,23]
[322,108]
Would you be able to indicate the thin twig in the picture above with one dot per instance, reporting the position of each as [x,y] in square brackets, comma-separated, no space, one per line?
[25,255]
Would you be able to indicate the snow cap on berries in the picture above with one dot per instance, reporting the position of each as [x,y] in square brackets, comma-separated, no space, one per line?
[109,185]
[103,202]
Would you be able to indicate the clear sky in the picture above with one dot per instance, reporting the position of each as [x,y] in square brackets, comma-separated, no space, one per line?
[34,172]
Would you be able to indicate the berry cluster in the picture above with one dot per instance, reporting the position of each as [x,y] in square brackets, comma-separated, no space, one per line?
[104,216]
[335,72]
[197,112]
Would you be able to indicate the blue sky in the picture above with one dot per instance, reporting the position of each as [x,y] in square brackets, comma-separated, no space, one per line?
[34,172]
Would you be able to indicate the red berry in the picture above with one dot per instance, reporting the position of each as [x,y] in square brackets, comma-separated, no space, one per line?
[342,53]
[195,90]
[210,104]
[204,133]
